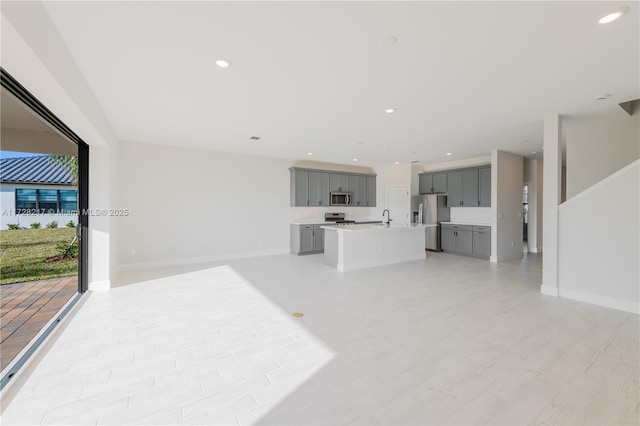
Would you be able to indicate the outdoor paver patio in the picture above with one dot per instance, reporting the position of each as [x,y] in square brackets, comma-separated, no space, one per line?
[25,308]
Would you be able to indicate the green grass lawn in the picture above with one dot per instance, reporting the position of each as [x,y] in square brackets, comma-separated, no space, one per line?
[23,254]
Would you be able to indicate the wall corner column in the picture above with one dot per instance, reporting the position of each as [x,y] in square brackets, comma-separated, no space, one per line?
[552,178]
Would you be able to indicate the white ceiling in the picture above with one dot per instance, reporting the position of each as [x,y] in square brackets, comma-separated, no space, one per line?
[465,77]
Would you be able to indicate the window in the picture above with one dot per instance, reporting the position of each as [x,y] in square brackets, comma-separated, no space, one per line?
[26,200]
[46,201]
[68,201]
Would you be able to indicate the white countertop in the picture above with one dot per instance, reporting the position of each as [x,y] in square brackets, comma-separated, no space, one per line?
[467,223]
[375,227]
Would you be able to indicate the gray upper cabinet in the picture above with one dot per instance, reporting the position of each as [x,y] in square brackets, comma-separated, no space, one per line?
[358,189]
[311,187]
[454,189]
[361,192]
[439,182]
[318,188]
[470,188]
[425,183]
[433,183]
[299,187]
[484,187]
[371,191]
[463,187]
[338,182]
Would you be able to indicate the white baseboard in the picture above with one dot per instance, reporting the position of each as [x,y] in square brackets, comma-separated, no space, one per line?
[196,260]
[535,250]
[505,257]
[379,262]
[99,285]
[596,299]
[549,290]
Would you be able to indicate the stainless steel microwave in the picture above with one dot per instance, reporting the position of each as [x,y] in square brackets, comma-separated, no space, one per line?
[340,199]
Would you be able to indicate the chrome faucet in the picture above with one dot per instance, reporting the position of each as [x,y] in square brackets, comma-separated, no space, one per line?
[388,215]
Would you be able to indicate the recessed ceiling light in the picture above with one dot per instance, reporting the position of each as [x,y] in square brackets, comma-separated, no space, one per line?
[309,153]
[254,138]
[390,110]
[534,152]
[449,154]
[223,63]
[355,159]
[613,16]
[397,162]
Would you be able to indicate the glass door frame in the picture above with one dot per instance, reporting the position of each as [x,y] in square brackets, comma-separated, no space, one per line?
[22,94]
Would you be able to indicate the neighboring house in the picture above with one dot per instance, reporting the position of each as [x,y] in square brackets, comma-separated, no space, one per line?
[34,189]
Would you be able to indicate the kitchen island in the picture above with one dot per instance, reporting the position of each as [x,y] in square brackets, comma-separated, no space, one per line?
[352,247]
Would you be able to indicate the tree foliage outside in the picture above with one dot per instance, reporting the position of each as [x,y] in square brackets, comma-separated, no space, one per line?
[69,163]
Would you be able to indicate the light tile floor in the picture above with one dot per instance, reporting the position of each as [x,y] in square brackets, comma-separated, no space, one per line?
[449,340]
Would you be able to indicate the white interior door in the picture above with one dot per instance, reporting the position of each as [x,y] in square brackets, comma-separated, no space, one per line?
[398,203]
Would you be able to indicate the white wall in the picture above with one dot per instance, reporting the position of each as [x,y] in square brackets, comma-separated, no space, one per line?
[599,243]
[600,146]
[533,177]
[506,205]
[33,52]
[8,201]
[189,205]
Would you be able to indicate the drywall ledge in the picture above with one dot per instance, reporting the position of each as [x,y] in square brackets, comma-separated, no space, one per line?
[599,243]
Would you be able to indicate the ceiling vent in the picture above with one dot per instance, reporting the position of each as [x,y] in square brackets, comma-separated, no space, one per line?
[415,161]
[254,138]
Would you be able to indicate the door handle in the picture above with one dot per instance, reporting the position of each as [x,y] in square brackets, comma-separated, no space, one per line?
[78,231]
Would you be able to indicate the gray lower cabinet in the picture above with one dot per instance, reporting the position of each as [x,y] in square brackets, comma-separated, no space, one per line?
[466,239]
[482,241]
[306,239]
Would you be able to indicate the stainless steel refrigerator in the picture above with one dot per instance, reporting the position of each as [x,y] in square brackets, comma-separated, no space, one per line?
[431,210]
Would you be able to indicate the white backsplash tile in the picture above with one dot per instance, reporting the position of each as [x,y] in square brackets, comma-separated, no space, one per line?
[317,213]
[480,215]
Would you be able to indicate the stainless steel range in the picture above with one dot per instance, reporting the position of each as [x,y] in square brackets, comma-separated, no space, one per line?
[338,218]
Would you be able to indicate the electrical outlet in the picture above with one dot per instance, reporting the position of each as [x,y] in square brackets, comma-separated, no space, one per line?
[133,251]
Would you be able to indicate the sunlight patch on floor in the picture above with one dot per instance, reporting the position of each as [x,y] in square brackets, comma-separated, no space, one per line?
[198,347]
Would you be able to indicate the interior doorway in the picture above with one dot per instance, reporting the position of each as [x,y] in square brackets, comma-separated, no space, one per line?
[525,217]
[398,203]
[44,189]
